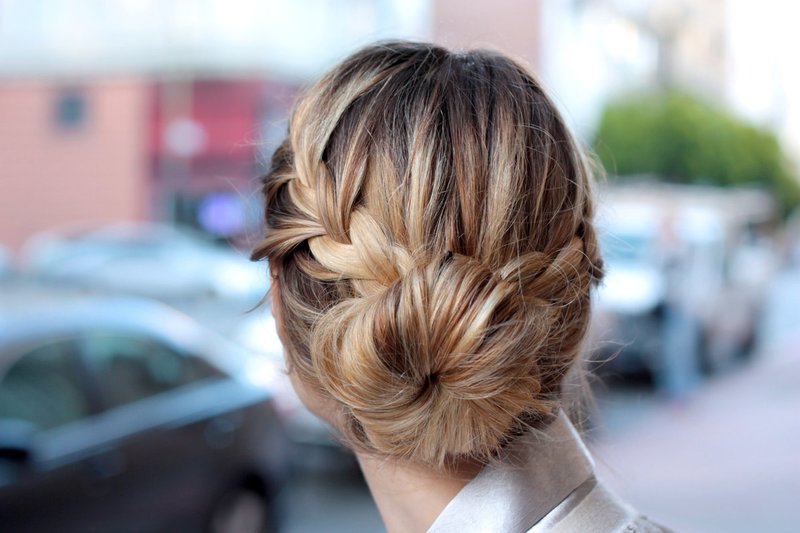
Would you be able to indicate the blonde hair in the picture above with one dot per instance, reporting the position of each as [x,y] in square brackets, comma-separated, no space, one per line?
[429,223]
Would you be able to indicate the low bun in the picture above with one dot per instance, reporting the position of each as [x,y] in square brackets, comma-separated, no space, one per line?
[429,221]
[439,363]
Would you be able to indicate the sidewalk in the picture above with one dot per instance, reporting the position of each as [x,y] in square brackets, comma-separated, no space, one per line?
[727,459]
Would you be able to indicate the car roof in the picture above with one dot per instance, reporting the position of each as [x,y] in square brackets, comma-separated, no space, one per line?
[34,312]
[31,311]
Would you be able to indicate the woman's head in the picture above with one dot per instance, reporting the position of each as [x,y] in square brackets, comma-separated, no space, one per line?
[429,225]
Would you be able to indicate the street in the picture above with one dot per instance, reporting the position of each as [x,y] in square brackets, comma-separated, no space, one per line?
[727,458]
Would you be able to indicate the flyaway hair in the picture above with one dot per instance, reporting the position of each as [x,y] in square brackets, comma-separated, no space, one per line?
[429,223]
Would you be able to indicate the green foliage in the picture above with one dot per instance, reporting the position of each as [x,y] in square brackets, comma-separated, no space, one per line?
[683,139]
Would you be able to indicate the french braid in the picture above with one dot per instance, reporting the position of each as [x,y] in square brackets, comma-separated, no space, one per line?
[429,222]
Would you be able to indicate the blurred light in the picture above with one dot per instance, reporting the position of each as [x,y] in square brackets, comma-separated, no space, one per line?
[260,334]
[623,40]
[185,137]
[239,279]
[700,225]
[221,213]
[263,372]
[631,290]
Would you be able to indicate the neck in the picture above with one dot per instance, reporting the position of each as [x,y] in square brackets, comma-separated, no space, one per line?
[410,496]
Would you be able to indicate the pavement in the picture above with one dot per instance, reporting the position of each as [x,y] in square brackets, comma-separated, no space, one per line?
[329,500]
[727,458]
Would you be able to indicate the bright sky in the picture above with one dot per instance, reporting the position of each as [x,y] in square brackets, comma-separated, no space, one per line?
[294,38]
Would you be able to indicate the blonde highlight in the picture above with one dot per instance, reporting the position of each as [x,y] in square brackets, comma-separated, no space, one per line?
[429,223]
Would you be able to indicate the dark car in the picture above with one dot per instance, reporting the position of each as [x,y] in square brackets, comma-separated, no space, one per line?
[125,415]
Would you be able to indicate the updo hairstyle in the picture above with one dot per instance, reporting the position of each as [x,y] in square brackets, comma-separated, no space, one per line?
[429,224]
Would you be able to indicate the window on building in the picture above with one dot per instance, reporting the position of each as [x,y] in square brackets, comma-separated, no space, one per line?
[70,109]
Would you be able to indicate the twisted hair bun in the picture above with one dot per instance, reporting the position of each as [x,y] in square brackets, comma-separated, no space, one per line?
[428,219]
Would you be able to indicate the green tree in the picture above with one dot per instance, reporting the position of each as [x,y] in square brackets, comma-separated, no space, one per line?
[681,138]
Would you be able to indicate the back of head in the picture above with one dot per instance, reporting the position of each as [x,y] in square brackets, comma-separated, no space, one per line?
[429,222]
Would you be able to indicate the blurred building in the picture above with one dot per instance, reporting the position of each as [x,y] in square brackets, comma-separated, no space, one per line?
[209,140]
[510,25]
[72,151]
[159,110]
[95,150]
[168,109]
[735,52]
[595,49]
[762,76]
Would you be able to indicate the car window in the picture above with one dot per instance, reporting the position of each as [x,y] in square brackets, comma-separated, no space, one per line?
[44,387]
[131,368]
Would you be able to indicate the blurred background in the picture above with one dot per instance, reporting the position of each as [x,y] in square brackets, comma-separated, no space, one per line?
[139,391]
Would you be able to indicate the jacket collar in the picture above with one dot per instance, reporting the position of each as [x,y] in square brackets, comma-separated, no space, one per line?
[541,469]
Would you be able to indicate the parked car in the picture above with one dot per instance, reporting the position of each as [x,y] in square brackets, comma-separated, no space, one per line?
[147,259]
[121,414]
[629,304]
[685,275]
[255,330]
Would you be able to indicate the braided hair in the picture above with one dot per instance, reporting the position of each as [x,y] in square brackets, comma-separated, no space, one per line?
[429,224]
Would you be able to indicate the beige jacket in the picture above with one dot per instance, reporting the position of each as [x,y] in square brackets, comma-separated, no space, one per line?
[546,484]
